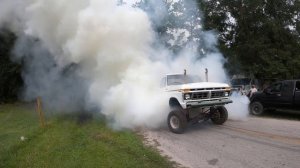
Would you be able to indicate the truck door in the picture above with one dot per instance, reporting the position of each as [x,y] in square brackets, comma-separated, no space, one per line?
[272,95]
[286,95]
[297,95]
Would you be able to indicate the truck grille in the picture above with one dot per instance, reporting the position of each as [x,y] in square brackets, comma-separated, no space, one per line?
[207,95]
[217,94]
[200,95]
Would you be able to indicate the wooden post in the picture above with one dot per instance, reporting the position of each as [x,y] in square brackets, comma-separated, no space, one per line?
[40,112]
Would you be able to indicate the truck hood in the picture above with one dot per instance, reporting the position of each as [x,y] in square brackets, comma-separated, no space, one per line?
[198,85]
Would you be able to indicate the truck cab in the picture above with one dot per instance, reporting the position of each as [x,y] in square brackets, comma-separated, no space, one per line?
[283,96]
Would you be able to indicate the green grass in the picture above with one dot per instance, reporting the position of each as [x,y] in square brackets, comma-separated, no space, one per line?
[65,142]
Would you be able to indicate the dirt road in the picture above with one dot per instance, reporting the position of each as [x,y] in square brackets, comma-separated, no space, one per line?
[255,143]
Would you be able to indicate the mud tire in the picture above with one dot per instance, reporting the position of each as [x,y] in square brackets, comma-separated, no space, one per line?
[219,115]
[256,108]
[177,122]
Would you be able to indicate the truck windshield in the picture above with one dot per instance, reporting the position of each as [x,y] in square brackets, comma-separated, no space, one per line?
[182,79]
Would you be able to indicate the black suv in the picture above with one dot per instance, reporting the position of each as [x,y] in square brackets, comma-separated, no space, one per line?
[284,96]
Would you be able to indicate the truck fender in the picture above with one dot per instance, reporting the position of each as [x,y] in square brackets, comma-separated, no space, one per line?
[174,103]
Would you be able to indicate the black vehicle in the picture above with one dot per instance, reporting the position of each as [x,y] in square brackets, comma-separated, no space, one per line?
[283,96]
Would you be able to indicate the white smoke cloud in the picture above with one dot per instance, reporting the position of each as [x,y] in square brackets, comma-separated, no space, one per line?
[137,100]
[11,14]
[99,54]
[239,109]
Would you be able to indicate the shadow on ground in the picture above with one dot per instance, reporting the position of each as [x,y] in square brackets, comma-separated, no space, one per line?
[282,115]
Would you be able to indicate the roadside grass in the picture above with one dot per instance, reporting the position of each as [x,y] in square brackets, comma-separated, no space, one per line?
[69,142]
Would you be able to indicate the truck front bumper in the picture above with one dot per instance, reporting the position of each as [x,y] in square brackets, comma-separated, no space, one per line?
[207,103]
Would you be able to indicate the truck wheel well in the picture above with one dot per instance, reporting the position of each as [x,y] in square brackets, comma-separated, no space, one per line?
[173,102]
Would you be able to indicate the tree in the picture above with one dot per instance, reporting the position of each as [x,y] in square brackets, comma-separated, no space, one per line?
[10,72]
[259,38]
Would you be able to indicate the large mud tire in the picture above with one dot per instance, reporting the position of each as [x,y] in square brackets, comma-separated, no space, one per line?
[256,108]
[177,122]
[219,115]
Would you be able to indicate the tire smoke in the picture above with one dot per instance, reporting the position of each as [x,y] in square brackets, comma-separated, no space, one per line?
[100,55]
[238,110]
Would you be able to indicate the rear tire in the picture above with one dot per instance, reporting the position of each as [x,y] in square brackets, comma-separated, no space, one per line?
[177,122]
[219,115]
[256,108]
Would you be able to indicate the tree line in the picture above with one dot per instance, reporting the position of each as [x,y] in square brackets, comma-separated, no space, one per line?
[258,38]
[10,72]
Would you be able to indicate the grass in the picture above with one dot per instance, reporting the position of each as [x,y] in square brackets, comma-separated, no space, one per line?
[65,142]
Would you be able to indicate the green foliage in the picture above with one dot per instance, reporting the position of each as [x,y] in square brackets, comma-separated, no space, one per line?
[65,142]
[10,73]
[258,38]
[263,38]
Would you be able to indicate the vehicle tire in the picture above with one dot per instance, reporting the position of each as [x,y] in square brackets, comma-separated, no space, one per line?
[177,122]
[219,115]
[256,108]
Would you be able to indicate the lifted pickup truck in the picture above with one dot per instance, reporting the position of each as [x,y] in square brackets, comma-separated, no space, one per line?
[283,96]
[191,100]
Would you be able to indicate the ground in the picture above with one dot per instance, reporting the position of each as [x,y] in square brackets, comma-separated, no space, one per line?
[258,142]
[69,140]
[81,140]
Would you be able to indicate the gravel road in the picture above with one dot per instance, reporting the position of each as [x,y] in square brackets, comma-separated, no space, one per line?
[255,143]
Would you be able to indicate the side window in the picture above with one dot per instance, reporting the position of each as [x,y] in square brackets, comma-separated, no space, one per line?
[276,87]
[284,87]
[287,86]
[298,86]
[163,82]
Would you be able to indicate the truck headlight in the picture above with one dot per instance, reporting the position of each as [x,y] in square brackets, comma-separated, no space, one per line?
[187,96]
[226,94]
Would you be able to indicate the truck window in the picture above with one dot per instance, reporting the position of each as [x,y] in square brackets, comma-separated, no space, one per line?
[284,87]
[287,86]
[182,79]
[298,86]
[276,87]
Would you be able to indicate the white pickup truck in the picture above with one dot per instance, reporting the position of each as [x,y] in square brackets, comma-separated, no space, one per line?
[191,101]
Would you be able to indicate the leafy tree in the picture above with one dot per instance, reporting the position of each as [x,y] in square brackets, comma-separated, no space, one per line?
[10,72]
[259,38]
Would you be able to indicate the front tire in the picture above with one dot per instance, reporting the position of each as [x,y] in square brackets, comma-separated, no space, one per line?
[177,122]
[219,115]
[256,108]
